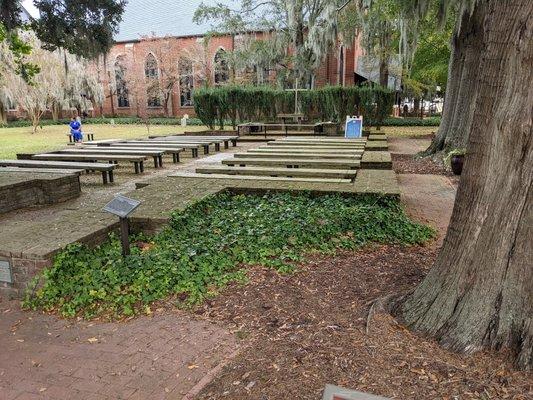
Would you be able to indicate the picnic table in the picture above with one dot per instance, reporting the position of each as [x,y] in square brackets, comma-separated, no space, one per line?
[105,169]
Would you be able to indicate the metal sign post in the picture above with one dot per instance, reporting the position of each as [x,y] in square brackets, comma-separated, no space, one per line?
[122,207]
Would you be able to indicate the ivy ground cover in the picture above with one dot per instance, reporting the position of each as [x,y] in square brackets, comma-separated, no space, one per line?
[209,244]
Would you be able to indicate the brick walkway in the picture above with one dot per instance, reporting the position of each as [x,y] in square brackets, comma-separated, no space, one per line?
[159,357]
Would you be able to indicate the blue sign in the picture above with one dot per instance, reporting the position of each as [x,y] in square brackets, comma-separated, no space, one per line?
[354,127]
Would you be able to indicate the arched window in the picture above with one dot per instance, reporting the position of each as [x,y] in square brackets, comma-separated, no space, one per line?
[341,66]
[221,67]
[153,92]
[186,82]
[120,83]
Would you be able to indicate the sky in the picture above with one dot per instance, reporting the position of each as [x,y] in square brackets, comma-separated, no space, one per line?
[28,5]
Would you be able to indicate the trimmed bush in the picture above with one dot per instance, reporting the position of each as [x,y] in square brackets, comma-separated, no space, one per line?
[263,103]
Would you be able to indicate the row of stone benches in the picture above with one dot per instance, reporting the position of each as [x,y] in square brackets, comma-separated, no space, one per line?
[112,151]
[300,159]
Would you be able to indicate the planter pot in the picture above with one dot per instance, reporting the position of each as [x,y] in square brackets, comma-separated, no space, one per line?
[457,162]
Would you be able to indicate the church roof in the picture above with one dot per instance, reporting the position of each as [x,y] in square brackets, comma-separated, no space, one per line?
[162,18]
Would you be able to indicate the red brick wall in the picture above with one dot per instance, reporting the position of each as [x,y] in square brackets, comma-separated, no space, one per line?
[169,49]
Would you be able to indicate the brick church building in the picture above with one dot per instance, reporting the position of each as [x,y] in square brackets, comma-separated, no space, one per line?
[176,58]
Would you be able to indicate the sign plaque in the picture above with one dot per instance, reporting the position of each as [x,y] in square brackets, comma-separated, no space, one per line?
[5,272]
[121,206]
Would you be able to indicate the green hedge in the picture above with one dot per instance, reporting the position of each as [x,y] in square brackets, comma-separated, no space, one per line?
[101,120]
[262,103]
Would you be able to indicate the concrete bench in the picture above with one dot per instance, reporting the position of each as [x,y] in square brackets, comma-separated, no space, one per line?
[140,143]
[295,150]
[105,169]
[138,161]
[175,151]
[323,140]
[95,150]
[290,163]
[88,135]
[287,143]
[204,143]
[376,136]
[226,139]
[274,171]
[209,139]
[376,160]
[258,178]
[298,156]
[377,145]
[322,148]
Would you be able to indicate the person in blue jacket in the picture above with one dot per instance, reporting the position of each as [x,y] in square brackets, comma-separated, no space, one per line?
[75,130]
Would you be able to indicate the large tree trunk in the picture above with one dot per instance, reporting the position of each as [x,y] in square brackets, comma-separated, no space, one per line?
[461,91]
[479,293]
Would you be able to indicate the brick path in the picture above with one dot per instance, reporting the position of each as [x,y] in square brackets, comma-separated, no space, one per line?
[158,357]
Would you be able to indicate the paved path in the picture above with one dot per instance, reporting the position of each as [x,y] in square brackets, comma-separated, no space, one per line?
[401,145]
[428,199]
[158,357]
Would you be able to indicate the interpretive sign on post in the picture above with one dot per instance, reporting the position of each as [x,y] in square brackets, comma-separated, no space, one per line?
[354,127]
[5,272]
[122,207]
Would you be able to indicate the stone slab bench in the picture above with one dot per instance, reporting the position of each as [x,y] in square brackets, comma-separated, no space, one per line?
[138,161]
[207,140]
[290,163]
[105,169]
[323,140]
[174,151]
[273,171]
[376,160]
[377,145]
[262,178]
[157,155]
[295,150]
[88,135]
[298,156]
[317,144]
[145,145]
[323,148]
[42,171]
[227,139]
[377,136]
[185,145]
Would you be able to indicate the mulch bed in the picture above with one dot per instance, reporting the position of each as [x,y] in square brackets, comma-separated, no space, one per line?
[408,164]
[301,331]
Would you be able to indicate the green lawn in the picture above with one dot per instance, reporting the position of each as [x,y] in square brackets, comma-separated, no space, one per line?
[53,137]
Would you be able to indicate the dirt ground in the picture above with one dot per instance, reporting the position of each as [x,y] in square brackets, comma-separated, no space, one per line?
[303,331]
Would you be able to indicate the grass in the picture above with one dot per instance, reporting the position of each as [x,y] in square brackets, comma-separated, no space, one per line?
[53,137]
[208,245]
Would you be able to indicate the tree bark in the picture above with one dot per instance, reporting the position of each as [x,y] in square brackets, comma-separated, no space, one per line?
[479,292]
[3,114]
[462,89]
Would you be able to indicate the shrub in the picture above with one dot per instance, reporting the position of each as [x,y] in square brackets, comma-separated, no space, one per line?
[206,246]
[329,103]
